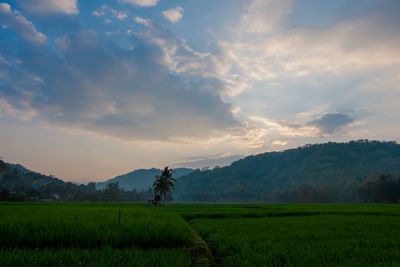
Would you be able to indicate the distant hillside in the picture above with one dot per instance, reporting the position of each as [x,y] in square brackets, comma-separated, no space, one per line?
[140,179]
[19,167]
[20,184]
[333,168]
[16,175]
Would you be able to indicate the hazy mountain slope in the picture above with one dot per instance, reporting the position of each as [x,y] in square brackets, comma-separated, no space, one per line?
[20,184]
[19,167]
[260,177]
[140,179]
[16,175]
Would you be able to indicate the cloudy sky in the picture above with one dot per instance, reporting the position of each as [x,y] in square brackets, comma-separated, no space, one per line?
[90,89]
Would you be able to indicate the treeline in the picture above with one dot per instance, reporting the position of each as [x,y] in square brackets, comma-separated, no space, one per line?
[382,189]
[18,185]
[71,192]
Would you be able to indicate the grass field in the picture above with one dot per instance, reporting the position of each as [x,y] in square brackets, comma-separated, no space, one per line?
[342,240]
[90,226]
[99,234]
[96,257]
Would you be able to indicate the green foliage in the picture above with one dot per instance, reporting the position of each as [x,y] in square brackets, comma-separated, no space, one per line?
[89,226]
[219,211]
[332,171]
[90,234]
[112,192]
[164,184]
[319,240]
[384,189]
[163,257]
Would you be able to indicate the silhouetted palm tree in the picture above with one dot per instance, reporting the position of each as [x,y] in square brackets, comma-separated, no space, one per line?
[163,184]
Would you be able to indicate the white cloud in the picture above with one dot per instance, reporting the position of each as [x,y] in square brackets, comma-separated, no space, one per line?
[265,16]
[299,82]
[113,33]
[173,15]
[182,59]
[326,125]
[293,73]
[104,10]
[8,110]
[284,128]
[98,13]
[331,123]
[142,21]
[280,143]
[15,21]
[132,94]
[121,15]
[144,3]
[209,161]
[264,48]
[48,7]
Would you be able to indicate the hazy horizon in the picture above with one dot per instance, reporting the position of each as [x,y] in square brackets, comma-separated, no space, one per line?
[95,89]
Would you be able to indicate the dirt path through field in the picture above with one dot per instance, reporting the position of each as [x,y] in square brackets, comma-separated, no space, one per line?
[200,253]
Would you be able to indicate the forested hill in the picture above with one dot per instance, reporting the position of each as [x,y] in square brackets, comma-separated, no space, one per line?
[16,175]
[18,183]
[141,179]
[331,171]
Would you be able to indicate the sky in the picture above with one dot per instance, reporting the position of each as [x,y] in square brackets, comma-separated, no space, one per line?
[91,89]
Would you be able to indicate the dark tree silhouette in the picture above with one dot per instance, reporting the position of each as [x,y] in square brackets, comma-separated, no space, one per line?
[112,192]
[163,184]
[383,189]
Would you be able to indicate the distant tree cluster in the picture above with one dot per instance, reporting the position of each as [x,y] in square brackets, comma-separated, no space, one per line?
[384,189]
[309,194]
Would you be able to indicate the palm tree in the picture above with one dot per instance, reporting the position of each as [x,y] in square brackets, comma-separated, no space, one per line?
[163,184]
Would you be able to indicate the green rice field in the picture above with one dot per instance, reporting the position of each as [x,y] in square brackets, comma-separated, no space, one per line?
[104,234]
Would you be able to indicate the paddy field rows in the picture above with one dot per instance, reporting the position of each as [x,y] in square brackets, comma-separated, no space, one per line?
[102,234]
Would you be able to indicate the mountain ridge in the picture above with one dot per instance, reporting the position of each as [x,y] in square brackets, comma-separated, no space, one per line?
[140,179]
[264,177]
